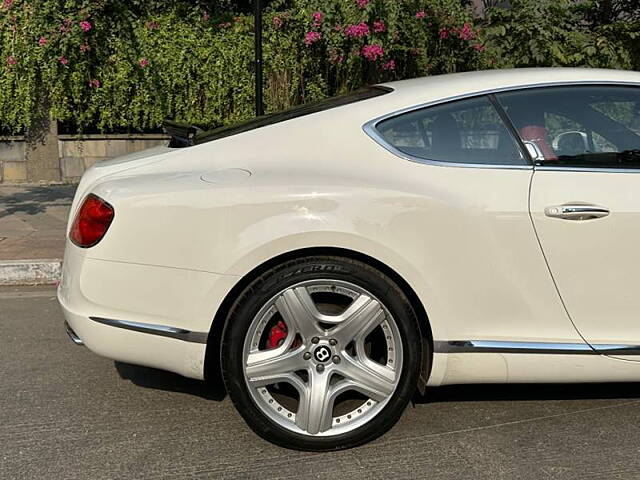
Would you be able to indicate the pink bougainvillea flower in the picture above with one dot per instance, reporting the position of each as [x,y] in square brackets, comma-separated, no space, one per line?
[143,62]
[466,32]
[277,22]
[85,26]
[443,33]
[479,47]
[11,60]
[338,28]
[379,26]
[85,47]
[317,18]
[153,25]
[390,65]
[363,3]
[372,52]
[94,83]
[63,60]
[7,4]
[357,31]
[421,14]
[42,41]
[311,38]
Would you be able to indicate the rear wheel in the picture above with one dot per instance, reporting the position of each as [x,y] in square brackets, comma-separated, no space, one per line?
[321,353]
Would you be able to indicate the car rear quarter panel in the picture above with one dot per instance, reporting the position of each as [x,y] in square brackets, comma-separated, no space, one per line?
[461,237]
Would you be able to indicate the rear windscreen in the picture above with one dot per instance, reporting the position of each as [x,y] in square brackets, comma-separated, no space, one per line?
[295,112]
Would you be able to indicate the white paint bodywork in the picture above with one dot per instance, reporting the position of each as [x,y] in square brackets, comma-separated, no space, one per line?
[462,238]
[594,263]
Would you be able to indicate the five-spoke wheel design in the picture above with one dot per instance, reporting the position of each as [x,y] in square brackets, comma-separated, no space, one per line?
[322,357]
[321,353]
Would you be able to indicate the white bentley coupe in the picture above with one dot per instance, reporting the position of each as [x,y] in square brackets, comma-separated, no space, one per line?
[328,261]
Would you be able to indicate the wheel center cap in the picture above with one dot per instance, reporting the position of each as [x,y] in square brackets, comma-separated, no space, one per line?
[322,354]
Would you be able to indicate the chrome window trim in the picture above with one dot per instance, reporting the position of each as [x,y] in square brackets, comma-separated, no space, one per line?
[153,329]
[551,168]
[370,128]
[551,348]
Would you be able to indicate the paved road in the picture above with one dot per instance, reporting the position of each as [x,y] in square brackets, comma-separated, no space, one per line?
[66,413]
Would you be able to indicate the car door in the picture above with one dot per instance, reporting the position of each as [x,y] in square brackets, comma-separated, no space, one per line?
[487,280]
[585,202]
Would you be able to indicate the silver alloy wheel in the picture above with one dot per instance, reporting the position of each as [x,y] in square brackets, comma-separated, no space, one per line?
[338,365]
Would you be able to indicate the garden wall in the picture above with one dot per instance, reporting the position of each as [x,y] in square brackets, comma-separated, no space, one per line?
[75,154]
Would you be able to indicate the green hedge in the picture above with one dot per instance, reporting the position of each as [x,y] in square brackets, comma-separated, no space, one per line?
[116,64]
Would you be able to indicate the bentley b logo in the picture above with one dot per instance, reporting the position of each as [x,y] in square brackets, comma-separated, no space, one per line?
[322,353]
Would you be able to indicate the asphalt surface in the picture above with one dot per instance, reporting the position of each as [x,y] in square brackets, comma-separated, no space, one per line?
[67,413]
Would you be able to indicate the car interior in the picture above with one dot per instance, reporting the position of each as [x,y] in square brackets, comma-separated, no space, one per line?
[456,133]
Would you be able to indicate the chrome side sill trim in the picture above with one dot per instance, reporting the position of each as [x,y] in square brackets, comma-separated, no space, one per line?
[72,335]
[618,349]
[489,346]
[160,330]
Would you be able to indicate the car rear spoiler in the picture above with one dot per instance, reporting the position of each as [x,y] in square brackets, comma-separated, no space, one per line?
[182,134]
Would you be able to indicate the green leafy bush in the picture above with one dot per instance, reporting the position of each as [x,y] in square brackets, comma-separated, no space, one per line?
[115,64]
[534,33]
[110,64]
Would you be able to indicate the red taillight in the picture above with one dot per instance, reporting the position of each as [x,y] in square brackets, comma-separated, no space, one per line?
[92,221]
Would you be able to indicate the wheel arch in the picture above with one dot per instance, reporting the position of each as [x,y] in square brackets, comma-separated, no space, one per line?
[212,355]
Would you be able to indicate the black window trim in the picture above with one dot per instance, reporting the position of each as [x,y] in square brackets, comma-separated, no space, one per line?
[184,135]
[370,128]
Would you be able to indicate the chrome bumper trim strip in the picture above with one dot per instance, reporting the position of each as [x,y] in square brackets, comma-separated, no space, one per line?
[72,335]
[160,330]
[490,346]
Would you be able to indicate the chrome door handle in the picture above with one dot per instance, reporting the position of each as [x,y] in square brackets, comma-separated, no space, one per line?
[576,212]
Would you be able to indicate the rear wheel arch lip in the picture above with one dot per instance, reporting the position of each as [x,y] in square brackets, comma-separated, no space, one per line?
[212,355]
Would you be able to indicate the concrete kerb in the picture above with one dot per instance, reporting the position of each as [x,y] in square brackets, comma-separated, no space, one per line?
[30,272]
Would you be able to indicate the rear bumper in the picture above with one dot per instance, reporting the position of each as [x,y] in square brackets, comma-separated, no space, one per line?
[145,315]
[184,358]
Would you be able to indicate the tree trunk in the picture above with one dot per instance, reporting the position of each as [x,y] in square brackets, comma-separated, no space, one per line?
[41,147]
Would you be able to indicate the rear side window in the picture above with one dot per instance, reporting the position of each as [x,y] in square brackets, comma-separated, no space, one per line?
[465,132]
[578,126]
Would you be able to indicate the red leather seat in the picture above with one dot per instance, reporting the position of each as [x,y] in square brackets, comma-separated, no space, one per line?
[538,135]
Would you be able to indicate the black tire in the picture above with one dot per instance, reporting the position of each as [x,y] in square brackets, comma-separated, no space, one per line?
[263,288]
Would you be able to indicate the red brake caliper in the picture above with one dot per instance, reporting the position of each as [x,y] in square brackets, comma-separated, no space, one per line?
[278,334]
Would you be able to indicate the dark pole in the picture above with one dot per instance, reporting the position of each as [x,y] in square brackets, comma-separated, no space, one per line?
[258,49]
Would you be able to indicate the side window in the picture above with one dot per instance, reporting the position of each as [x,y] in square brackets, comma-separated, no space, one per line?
[465,131]
[578,126]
